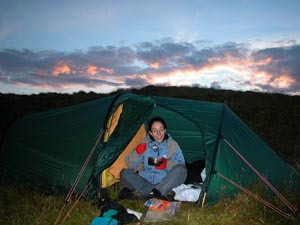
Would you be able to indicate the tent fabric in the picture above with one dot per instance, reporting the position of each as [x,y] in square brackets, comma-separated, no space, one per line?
[49,148]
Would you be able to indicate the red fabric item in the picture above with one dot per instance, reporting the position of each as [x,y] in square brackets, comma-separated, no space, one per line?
[141,148]
[163,164]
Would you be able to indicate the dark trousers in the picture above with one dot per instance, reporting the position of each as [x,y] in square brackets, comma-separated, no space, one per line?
[134,181]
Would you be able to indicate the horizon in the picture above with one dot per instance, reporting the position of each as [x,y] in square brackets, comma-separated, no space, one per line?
[148,86]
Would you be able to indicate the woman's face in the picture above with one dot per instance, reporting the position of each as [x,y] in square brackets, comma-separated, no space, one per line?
[158,131]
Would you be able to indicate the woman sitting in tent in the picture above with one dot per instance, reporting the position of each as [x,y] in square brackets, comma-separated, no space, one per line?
[162,165]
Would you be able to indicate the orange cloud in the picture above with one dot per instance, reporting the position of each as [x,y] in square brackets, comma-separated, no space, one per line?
[261,78]
[92,70]
[155,65]
[283,81]
[59,69]
[107,70]
[261,62]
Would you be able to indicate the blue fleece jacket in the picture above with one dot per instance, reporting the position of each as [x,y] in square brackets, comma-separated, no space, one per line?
[168,149]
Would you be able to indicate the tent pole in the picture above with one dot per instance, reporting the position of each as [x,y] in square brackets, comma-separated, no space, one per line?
[214,155]
[83,167]
[203,200]
[283,199]
[70,193]
[266,203]
[75,203]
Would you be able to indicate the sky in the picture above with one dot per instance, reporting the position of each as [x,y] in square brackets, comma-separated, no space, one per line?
[66,46]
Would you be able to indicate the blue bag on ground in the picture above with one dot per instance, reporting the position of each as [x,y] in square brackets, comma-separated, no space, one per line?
[115,210]
[104,221]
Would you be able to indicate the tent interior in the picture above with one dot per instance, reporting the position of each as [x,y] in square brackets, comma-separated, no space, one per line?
[184,129]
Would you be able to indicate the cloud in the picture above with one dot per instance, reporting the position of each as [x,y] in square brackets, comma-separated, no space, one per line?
[278,67]
[230,65]
[215,85]
[137,81]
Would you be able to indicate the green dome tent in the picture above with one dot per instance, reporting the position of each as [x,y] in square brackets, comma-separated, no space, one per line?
[50,148]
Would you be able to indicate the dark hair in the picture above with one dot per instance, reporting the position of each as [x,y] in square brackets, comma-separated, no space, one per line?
[157,119]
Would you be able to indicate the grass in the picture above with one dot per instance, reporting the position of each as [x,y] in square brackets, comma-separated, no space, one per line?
[26,205]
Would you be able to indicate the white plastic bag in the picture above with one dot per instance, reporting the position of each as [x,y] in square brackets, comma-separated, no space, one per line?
[187,193]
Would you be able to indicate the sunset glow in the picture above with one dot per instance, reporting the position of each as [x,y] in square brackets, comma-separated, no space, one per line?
[61,69]
[283,82]
[261,78]
[92,70]
[103,47]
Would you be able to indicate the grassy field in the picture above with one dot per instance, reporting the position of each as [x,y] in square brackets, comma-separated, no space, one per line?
[27,205]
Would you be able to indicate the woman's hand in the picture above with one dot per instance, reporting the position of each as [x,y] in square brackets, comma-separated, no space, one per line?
[163,164]
[141,148]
